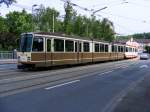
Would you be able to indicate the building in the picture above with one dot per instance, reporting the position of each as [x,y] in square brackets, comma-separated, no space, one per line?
[139,43]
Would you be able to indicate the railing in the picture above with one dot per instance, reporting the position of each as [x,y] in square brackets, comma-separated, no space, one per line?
[8,54]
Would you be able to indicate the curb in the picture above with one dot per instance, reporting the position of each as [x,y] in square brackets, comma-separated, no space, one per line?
[8,62]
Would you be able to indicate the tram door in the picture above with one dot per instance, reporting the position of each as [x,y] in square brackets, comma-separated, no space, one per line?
[78,50]
[48,52]
[38,51]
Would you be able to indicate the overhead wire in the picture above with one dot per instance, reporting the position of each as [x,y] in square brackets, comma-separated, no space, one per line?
[89,10]
[121,26]
[22,6]
[125,17]
[127,29]
[110,3]
[133,3]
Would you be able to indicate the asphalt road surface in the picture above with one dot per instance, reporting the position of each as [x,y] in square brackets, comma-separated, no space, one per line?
[90,88]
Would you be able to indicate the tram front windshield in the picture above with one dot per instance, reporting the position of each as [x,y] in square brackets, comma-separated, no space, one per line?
[26,43]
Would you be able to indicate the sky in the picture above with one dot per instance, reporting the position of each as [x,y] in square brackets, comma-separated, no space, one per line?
[128,16]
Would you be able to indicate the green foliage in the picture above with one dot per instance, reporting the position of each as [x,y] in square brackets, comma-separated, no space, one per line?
[45,19]
[68,18]
[142,36]
[147,49]
[12,26]
[19,22]
[137,36]
[3,26]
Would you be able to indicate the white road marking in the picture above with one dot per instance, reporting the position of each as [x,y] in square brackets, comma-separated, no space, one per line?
[144,66]
[124,66]
[67,83]
[106,72]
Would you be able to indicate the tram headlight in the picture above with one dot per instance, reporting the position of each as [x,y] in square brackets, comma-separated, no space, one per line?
[19,58]
[28,58]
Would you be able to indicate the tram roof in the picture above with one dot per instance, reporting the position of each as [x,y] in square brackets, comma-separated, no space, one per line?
[69,36]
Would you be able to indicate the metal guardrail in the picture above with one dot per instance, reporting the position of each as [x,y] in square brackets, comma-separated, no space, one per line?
[8,54]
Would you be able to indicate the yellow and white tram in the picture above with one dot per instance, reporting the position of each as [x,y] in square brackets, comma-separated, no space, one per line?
[48,49]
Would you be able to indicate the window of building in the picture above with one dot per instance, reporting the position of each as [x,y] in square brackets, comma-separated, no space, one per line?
[102,48]
[97,48]
[86,47]
[48,45]
[59,45]
[38,45]
[106,48]
[69,46]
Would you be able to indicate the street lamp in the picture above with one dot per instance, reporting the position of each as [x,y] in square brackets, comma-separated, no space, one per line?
[93,13]
[53,21]
[33,15]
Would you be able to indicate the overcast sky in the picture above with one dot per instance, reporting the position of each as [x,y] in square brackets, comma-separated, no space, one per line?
[128,18]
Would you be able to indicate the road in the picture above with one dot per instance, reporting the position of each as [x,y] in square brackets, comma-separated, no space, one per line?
[90,88]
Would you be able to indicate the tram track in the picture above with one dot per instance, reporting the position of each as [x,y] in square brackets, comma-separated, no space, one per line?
[28,82]
[42,80]
[19,74]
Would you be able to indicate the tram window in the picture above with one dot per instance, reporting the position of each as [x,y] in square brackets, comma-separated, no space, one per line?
[113,49]
[106,48]
[97,48]
[121,48]
[135,50]
[102,48]
[76,47]
[69,46]
[126,49]
[86,47]
[58,45]
[118,48]
[80,47]
[37,44]
[130,49]
[48,45]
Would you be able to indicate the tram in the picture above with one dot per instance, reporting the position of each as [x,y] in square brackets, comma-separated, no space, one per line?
[39,49]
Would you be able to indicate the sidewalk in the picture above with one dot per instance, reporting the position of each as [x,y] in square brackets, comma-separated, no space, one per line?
[137,100]
[8,61]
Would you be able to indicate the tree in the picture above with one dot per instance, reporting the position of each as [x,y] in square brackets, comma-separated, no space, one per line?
[7,2]
[107,30]
[12,26]
[147,49]
[46,18]
[3,26]
[19,22]
[68,18]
